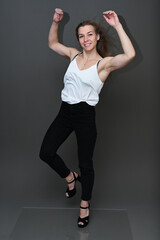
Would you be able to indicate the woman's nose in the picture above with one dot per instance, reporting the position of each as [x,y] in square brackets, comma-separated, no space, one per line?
[85,38]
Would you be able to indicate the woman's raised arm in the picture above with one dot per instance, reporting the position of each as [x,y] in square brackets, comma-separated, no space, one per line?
[123,59]
[53,41]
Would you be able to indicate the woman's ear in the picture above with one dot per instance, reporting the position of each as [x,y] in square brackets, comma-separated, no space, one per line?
[98,37]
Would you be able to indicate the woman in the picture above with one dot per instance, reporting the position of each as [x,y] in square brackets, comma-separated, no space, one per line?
[83,81]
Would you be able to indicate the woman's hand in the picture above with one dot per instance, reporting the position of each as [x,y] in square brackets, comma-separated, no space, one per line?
[111,18]
[58,15]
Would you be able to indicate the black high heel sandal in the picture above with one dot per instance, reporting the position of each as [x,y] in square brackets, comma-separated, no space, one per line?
[84,220]
[72,192]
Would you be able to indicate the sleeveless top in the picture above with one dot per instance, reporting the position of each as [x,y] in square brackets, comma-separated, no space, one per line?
[81,85]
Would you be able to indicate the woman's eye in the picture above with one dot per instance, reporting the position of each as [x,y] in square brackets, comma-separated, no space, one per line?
[80,36]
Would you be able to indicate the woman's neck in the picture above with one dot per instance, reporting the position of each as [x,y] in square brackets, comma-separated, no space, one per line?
[90,55]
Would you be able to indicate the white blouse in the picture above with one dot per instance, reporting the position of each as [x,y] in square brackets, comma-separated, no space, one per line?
[81,85]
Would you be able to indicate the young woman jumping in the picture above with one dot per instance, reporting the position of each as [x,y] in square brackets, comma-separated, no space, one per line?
[83,81]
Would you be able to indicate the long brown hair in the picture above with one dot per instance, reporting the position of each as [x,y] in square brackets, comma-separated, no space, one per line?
[102,43]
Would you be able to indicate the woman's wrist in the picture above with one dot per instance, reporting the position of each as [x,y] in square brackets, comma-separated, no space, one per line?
[118,27]
[55,22]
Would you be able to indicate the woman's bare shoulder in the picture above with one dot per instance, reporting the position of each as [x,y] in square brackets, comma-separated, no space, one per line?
[73,52]
[105,63]
[104,68]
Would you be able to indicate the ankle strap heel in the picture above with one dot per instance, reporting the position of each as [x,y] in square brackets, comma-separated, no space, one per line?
[83,222]
[72,192]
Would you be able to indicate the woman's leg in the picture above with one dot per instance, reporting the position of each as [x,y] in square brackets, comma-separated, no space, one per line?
[86,133]
[86,139]
[55,136]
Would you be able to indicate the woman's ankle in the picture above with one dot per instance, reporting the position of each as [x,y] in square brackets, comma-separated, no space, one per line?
[72,176]
[69,177]
[84,203]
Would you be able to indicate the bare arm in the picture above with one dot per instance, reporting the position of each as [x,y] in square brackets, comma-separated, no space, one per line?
[128,54]
[53,41]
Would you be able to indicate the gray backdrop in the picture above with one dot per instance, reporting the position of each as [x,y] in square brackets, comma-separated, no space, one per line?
[31,79]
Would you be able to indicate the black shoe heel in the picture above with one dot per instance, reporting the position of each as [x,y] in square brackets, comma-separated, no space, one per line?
[72,192]
[84,220]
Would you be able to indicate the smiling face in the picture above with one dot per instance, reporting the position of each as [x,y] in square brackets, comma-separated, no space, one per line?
[87,37]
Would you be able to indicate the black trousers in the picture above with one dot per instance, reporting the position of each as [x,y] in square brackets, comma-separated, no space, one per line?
[80,118]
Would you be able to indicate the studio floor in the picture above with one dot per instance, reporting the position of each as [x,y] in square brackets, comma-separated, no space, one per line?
[46,223]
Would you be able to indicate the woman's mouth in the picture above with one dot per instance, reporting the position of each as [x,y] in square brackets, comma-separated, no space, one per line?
[87,44]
